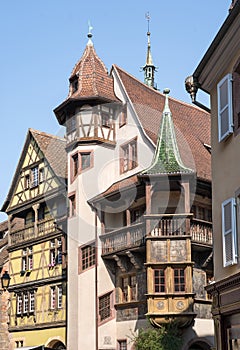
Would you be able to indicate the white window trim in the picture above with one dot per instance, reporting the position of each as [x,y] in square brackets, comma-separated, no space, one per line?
[229,104]
[231,231]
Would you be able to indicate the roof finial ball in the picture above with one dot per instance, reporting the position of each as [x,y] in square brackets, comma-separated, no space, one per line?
[90,28]
[166,91]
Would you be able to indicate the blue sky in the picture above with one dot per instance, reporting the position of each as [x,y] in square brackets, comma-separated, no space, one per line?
[42,40]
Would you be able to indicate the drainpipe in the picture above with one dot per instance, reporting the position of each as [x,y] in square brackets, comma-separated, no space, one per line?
[96,282]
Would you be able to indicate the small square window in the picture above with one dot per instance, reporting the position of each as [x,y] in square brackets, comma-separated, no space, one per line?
[105,307]
[87,257]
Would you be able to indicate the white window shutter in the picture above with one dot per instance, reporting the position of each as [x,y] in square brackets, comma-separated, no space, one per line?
[225,114]
[229,232]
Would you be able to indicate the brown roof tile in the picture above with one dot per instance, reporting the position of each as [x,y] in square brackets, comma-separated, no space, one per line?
[93,78]
[53,148]
[192,124]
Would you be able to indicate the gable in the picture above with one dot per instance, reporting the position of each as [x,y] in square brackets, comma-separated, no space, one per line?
[34,177]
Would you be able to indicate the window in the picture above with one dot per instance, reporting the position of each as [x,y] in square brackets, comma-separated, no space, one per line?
[53,298]
[105,307]
[87,257]
[137,214]
[229,232]
[71,124]
[25,302]
[122,344]
[27,181]
[179,280]
[105,120]
[129,288]
[123,116]
[159,281]
[34,177]
[225,118]
[55,251]
[19,304]
[85,160]
[18,343]
[81,161]
[74,84]
[27,259]
[72,205]
[56,293]
[75,164]
[128,156]
[41,175]
[236,96]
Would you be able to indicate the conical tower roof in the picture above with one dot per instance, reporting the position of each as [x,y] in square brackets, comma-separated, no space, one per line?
[92,76]
[167,159]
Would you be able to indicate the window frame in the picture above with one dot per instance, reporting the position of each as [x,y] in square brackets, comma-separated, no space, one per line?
[55,251]
[232,231]
[123,116]
[25,303]
[76,163]
[27,259]
[128,289]
[162,285]
[109,306]
[179,277]
[227,107]
[86,262]
[128,156]
[236,97]
[72,205]
[122,344]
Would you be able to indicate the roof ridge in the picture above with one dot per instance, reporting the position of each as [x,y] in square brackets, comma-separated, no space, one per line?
[150,89]
[43,133]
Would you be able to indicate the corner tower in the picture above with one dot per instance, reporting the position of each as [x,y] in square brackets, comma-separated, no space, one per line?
[90,108]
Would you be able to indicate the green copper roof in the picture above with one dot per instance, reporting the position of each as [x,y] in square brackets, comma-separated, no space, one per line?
[167,159]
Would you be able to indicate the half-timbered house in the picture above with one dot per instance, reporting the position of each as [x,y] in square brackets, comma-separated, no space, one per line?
[36,208]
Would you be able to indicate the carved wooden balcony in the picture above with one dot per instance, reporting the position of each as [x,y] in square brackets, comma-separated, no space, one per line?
[157,226]
[33,231]
[123,238]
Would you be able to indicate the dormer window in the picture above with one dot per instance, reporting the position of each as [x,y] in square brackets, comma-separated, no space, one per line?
[74,84]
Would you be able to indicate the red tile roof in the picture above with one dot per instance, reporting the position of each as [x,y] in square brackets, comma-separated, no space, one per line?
[192,124]
[93,77]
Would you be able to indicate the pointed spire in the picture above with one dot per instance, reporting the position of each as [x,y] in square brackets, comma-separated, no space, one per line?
[167,159]
[149,67]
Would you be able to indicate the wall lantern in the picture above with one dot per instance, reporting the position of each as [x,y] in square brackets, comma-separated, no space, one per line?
[5,279]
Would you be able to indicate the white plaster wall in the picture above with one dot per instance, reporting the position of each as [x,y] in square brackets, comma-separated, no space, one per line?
[203,330]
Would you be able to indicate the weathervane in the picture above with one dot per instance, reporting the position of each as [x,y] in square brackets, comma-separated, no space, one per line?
[147,16]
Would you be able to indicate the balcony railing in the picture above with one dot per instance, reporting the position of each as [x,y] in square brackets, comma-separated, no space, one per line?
[201,231]
[126,237]
[157,226]
[31,231]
